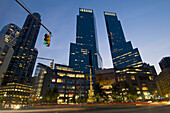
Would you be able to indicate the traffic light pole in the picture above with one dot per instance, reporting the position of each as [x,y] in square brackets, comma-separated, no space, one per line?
[33,16]
[28,56]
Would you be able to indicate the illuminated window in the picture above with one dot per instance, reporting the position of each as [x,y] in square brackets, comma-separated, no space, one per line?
[132,77]
[143,84]
[3,53]
[61,74]
[86,10]
[138,92]
[110,14]
[151,77]
[144,88]
[138,69]
[61,95]
[137,88]
[70,95]
[148,72]
[60,81]
[53,80]
[80,75]
[71,75]
[107,87]
[20,64]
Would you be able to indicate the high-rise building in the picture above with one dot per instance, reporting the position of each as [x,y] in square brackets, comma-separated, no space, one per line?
[164,63]
[6,52]
[123,54]
[33,55]
[10,33]
[86,40]
[24,56]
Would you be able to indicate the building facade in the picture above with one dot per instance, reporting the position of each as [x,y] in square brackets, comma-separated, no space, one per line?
[122,52]
[15,94]
[163,84]
[70,83]
[10,33]
[6,52]
[164,63]
[86,40]
[19,69]
[142,80]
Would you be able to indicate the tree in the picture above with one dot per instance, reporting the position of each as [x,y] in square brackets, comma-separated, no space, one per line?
[73,100]
[116,91]
[52,95]
[55,95]
[124,91]
[99,93]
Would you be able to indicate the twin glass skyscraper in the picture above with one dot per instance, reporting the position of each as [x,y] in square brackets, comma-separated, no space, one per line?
[86,40]
[123,54]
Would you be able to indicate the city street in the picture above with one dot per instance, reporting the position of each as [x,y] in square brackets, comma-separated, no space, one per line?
[84,56]
[100,109]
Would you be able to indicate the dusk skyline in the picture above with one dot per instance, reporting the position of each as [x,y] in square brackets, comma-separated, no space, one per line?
[145,23]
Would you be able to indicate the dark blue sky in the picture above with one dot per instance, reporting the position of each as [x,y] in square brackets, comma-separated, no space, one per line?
[145,22]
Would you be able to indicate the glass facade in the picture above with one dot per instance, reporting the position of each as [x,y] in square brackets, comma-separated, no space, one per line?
[10,33]
[16,94]
[21,65]
[68,82]
[6,52]
[123,54]
[86,40]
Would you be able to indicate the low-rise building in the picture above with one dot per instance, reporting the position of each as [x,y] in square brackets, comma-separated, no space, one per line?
[163,83]
[142,80]
[68,82]
[14,94]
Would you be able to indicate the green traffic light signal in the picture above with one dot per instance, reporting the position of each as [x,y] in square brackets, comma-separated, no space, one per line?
[44,43]
[47,40]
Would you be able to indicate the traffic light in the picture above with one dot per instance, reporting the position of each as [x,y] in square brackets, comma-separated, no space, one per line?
[51,64]
[47,39]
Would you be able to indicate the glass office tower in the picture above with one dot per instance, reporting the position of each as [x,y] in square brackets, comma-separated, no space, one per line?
[123,54]
[86,39]
[10,33]
[22,63]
